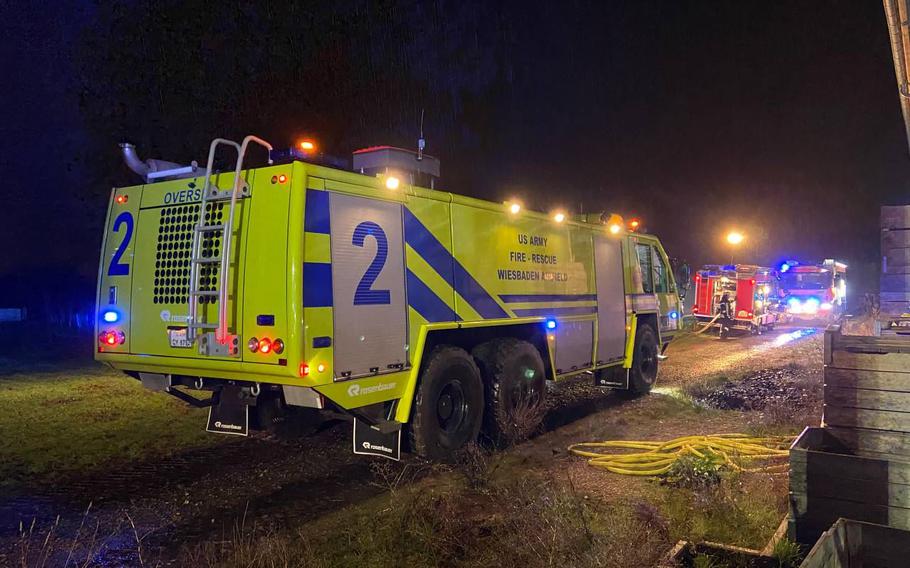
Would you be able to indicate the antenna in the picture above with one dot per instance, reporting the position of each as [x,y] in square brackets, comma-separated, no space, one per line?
[421,142]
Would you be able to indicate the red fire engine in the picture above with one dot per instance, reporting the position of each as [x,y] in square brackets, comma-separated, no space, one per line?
[736,296]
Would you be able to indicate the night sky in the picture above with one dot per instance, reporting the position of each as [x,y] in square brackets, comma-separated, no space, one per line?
[779,119]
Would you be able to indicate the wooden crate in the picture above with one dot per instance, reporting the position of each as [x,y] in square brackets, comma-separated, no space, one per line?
[858,465]
[855,544]
[828,480]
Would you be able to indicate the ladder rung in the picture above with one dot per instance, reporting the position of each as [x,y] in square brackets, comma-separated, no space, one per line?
[209,228]
[203,292]
[206,260]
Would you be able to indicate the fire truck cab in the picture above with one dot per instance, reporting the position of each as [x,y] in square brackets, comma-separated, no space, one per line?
[814,291]
[736,296]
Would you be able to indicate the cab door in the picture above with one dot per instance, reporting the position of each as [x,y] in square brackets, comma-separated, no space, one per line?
[667,298]
[368,285]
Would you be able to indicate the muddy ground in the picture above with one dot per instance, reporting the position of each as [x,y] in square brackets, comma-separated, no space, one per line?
[198,496]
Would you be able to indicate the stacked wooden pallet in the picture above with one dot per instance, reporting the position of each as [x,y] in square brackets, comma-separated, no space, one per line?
[857,465]
[894,285]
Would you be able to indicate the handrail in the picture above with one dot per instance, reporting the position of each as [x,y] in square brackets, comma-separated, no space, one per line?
[221,333]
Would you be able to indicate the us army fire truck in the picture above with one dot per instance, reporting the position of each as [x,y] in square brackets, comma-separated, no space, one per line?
[427,316]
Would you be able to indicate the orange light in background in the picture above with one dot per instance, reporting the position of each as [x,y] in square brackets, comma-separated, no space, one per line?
[392,182]
[308,146]
[615,228]
[282,178]
[513,207]
[559,216]
[320,367]
[634,225]
[735,237]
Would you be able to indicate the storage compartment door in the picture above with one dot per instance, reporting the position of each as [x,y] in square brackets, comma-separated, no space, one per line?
[611,300]
[368,286]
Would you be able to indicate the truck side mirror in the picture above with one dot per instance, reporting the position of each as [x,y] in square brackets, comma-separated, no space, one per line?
[683,279]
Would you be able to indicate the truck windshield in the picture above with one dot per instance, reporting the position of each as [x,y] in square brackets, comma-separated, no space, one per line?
[805,280]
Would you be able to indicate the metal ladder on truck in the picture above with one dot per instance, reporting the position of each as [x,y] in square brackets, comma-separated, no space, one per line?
[214,337]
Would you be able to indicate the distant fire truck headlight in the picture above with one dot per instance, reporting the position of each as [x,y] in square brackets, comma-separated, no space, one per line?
[674,315]
[110,316]
[826,306]
[795,306]
[811,306]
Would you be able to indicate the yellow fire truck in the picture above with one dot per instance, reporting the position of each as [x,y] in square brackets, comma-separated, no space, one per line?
[427,316]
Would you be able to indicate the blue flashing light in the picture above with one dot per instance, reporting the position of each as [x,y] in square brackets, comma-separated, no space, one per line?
[110,316]
[784,267]
[793,302]
[674,315]
[551,324]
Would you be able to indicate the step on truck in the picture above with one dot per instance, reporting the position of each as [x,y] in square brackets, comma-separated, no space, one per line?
[429,317]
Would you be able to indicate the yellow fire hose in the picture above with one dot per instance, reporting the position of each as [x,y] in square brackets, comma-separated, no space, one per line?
[707,325]
[734,450]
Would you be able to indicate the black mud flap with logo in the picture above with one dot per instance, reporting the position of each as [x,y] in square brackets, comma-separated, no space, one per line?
[370,441]
[229,413]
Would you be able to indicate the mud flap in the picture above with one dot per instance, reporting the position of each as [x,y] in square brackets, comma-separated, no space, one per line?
[229,414]
[370,441]
[612,377]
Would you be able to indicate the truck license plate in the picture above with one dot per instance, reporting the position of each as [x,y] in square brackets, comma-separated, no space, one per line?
[177,337]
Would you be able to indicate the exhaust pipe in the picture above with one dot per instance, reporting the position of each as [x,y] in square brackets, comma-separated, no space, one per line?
[132,160]
[154,170]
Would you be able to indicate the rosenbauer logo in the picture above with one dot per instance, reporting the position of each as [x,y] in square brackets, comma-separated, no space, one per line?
[377,448]
[357,390]
[224,426]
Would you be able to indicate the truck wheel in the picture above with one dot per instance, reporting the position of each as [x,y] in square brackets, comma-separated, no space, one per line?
[643,373]
[448,408]
[514,385]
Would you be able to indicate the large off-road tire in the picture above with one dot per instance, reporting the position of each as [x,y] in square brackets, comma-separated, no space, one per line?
[514,385]
[643,373]
[448,408]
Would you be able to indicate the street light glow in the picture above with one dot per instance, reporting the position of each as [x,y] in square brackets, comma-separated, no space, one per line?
[735,237]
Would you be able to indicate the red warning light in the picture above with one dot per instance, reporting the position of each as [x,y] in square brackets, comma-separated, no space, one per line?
[265,345]
[304,370]
[122,199]
[111,337]
[282,178]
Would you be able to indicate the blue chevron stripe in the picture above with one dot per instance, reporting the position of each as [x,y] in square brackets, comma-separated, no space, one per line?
[435,254]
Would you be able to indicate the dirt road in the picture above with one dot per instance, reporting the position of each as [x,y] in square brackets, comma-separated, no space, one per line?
[200,495]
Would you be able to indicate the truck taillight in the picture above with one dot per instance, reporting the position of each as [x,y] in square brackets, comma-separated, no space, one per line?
[694,309]
[265,345]
[278,346]
[304,370]
[111,337]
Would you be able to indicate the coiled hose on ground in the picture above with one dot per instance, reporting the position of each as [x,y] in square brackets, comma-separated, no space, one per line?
[734,450]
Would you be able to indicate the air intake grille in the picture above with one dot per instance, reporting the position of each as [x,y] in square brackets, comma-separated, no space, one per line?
[175,246]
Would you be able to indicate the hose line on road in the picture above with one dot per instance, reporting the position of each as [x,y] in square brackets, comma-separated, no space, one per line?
[733,450]
[707,325]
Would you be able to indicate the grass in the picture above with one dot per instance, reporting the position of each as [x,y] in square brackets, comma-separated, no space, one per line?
[59,423]
[520,522]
